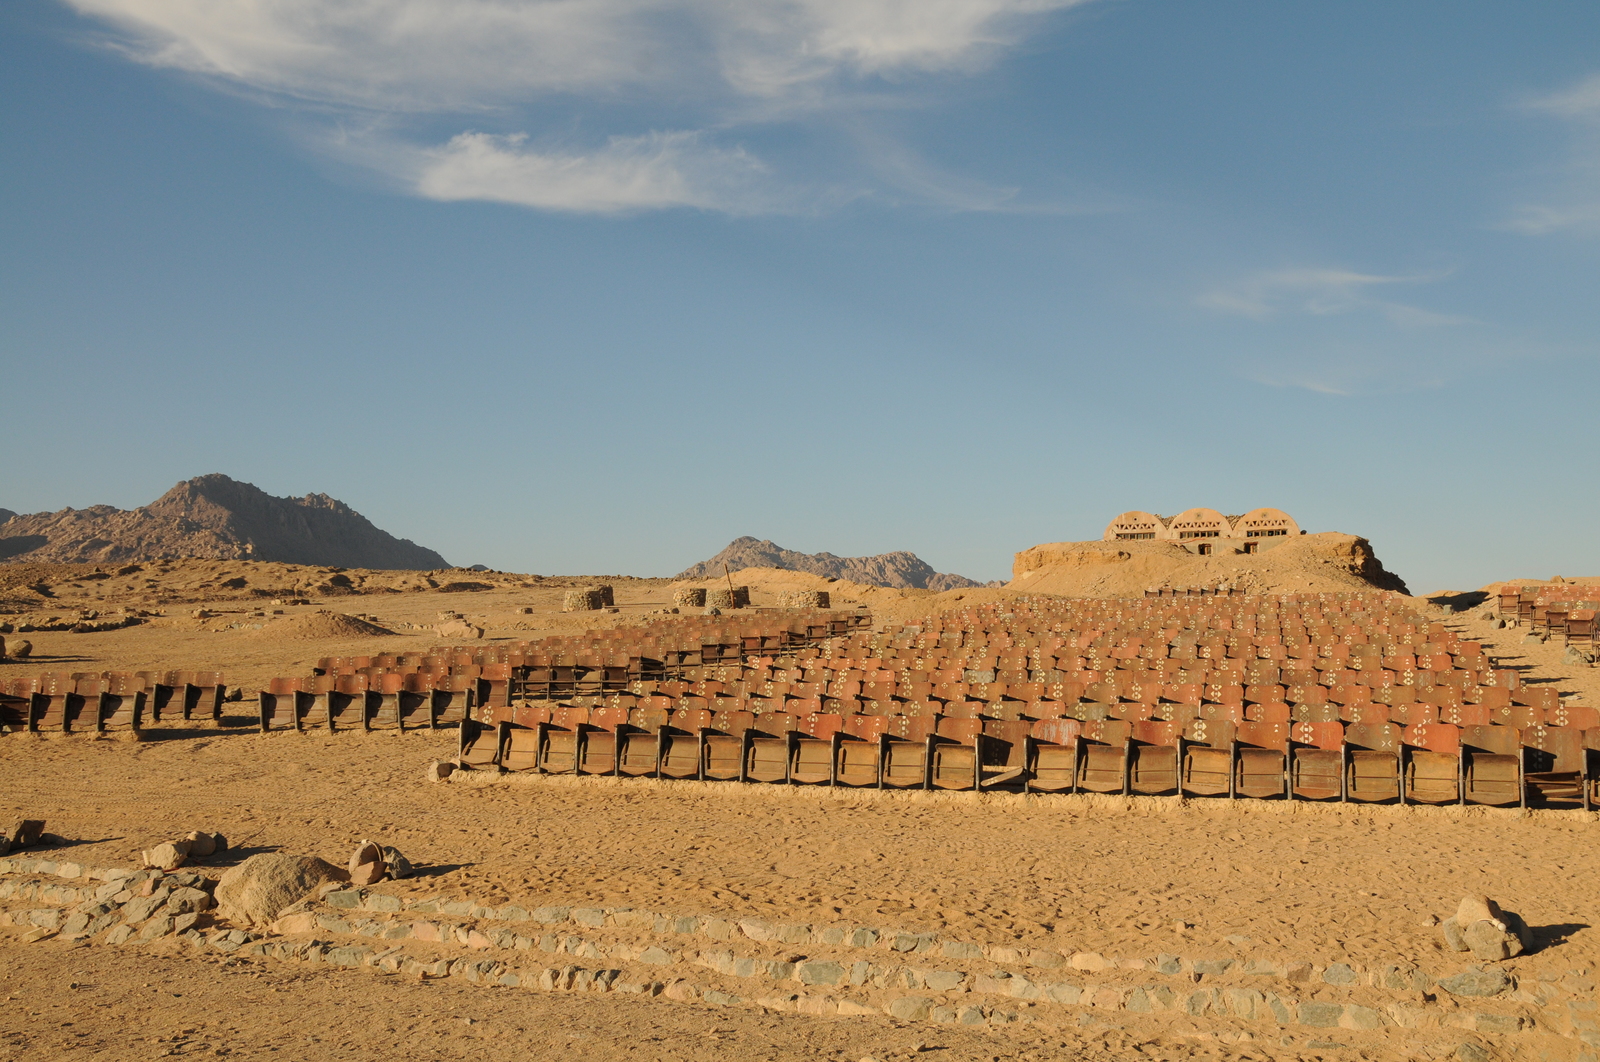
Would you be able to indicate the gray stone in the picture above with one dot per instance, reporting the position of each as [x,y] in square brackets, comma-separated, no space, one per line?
[1340,974]
[820,973]
[1212,967]
[911,1008]
[169,856]
[550,916]
[943,980]
[1169,964]
[1321,1015]
[1359,1017]
[864,938]
[955,949]
[584,916]
[1491,940]
[1244,1003]
[187,901]
[1452,934]
[1499,1024]
[1476,981]
[1471,1052]
[1063,992]
[159,926]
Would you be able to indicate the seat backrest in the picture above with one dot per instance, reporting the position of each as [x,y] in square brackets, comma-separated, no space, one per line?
[962,730]
[1574,716]
[777,724]
[351,684]
[1155,732]
[1057,731]
[1367,712]
[866,727]
[569,716]
[691,719]
[1375,737]
[1468,715]
[1318,735]
[1262,734]
[1502,740]
[1435,737]
[733,721]
[1212,732]
[1107,731]
[1223,713]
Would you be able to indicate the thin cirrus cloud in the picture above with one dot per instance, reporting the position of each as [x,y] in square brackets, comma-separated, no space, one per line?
[1573,205]
[717,65]
[1322,293]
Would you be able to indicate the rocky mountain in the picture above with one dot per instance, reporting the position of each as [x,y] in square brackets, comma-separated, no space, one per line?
[897,569]
[215,518]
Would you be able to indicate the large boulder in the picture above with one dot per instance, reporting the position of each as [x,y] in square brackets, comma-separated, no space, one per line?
[257,889]
[1491,933]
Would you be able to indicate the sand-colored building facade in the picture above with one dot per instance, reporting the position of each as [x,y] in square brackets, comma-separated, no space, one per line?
[1205,531]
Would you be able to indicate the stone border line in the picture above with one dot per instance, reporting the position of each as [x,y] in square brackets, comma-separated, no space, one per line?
[655,954]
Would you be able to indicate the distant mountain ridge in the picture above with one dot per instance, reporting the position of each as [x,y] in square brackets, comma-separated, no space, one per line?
[898,569]
[212,517]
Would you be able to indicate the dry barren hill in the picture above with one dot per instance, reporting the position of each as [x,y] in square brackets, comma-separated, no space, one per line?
[1329,562]
[899,569]
[216,518]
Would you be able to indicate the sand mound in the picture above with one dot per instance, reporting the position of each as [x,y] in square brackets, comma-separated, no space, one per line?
[320,624]
[1326,562]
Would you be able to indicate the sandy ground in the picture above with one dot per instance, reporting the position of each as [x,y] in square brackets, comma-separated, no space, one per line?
[1130,878]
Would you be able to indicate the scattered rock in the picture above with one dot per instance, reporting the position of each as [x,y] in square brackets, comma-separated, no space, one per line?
[20,649]
[439,770]
[1574,655]
[188,901]
[397,865]
[458,629]
[169,856]
[1483,928]
[202,844]
[1477,981]
[25,834]
[257,889]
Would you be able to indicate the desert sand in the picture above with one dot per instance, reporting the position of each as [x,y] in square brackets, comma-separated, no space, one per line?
[1118,877]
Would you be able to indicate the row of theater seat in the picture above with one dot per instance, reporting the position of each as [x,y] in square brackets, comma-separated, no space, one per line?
[109,700]
[1563,611]
[1196,754]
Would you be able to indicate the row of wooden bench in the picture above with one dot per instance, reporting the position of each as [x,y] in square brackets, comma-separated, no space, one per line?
[109,700]
[1423,762]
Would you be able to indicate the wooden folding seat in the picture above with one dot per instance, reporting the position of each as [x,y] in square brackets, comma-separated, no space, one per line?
[1103,753]
[1317,760]
[1491,766]
[1130,711]
[814,749]
[1052,755]
[723,746]
[858,757]
[1517,716]
[1372,762]
[954,753]
[597,740]
[281,704]
[639,742]
[84,703]
[908,751]
[1433,764]
[1261,758]
[1206,763]
[383,703]
[557,743]
[768,746]
[681,754]
[1154,756]
[171,693]
[454,698]
[205,695]
[48,709]
[1555,764]
[1003,754]
[347,702]
[480,744]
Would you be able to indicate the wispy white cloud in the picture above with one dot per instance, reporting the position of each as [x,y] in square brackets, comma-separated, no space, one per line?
[717,62]
[1572,202]
[628,174]
[1323,293]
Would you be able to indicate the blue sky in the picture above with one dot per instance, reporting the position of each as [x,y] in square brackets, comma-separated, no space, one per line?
[598,285]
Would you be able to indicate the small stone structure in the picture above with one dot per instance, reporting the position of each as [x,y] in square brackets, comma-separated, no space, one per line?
[690,597]
[588,600]
[804,599]
[726,597]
